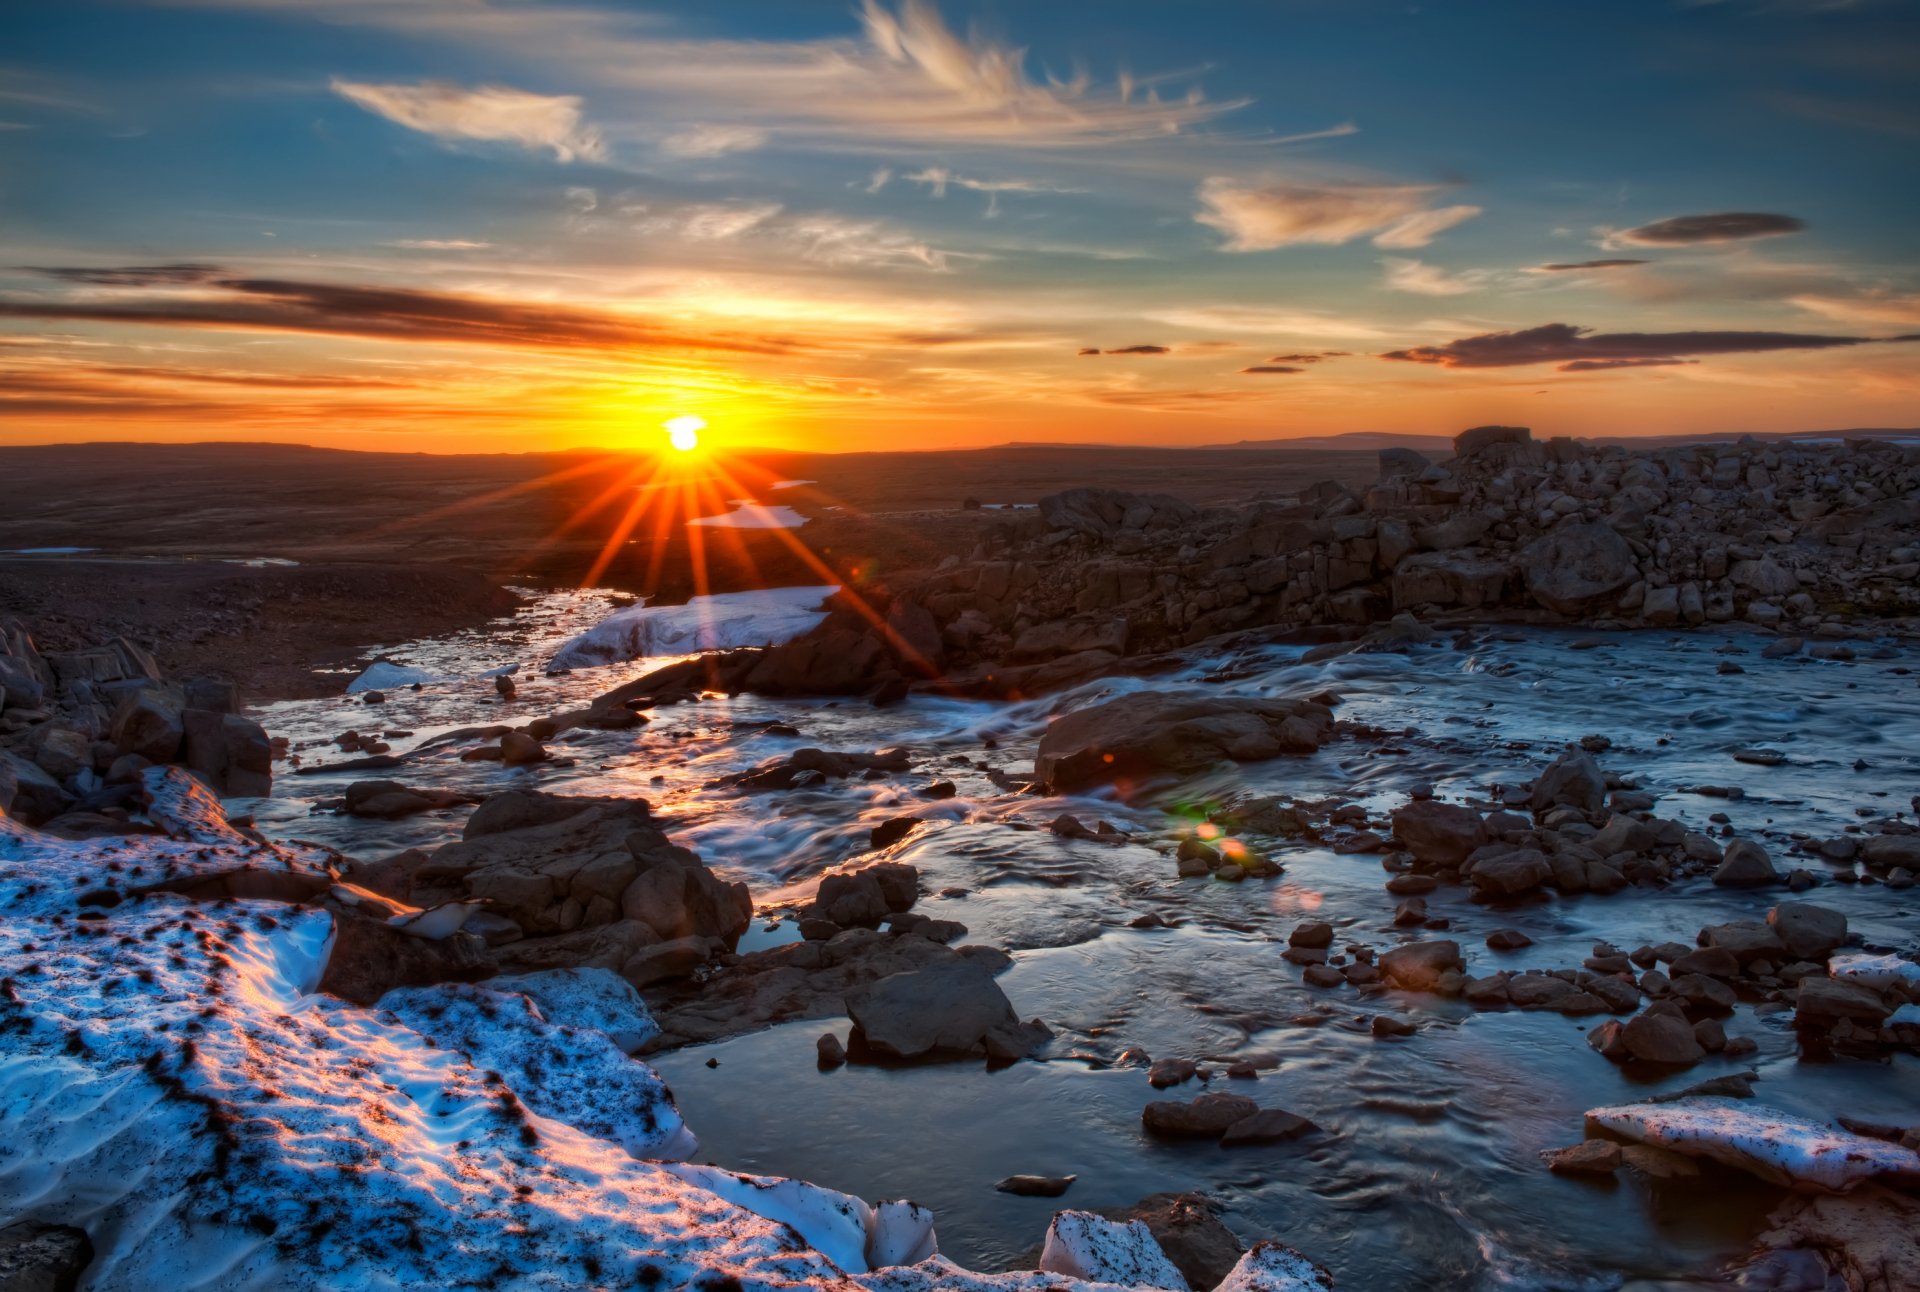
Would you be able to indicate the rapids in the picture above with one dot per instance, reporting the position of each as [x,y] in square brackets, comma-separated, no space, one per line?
[1426,1173]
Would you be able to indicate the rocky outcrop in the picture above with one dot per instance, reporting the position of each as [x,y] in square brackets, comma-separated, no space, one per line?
[1150,734]
[595,873]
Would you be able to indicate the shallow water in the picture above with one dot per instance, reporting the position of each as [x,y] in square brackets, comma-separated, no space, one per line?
[1426,1174]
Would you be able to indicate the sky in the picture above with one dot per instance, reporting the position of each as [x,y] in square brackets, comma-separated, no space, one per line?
[501,226]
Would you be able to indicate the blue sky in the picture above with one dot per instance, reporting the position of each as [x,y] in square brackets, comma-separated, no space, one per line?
[441,224]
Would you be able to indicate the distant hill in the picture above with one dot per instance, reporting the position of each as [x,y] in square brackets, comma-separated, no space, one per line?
[1357,440]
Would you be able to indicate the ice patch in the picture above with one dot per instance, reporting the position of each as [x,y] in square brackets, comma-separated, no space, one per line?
[573,1075]
[1776,1146]
[747,514]
[1873,970]
[1085,1246]
[382,676]
[722,621]
[590,998]
[833,1223]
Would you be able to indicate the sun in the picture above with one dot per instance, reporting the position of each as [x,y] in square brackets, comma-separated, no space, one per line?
[684,432]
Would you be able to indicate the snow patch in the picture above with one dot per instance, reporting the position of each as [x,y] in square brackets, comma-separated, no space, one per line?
[833,1223]
[1275,1267]
[573,1075]
[722,621]
[383,676]
[747,514]
[592,998]
[1776,1146]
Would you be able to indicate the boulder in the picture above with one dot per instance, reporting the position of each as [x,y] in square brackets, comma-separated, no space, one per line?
[149,723]
[37,1257]
[1449,579]
[1745,864]
[1418,966]
[1207,1116]
[1577,568]
[1156,733]
[866,896]
[1572,780]
[1440,833]
[1474,439]
[1659,1036]
[949,1007]
[1189,1230]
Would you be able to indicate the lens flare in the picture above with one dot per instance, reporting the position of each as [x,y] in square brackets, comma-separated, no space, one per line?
[684,432]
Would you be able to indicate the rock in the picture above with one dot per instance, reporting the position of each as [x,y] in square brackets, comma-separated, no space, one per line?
[1572,780]
[1745,864]
[1589,1157]
[1205,1116]
[1170,1072]
[1576,568]
[1474,440]
[371,958]
[1387,1025]
[148,722]
[1036,1186]
[1449,579]
[950,1007]
[1154,733]
[1082,1245]
[865,896]
[1777,1146]
[1511,874]
[1418,966]
[1868,1239]
[805,766]
[1313,935]
[1820,1003]
[1884,851]
[1655,1036]
[1439,833]
[1267,1126]
[891,831]
[1508,940]
[831,1053]
[37,1257]
[517,749]
[1188,1228]
[660,961]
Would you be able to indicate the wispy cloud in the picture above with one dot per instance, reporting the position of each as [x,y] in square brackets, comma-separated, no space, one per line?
[438,244]
[1267,322]
[1261,215]
[493,113]
[1407,275]
[1568,345]
[715,140]
[938,178]
[1867,307]
[1566,267]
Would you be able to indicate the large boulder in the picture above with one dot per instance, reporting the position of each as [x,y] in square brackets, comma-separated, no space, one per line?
[1158,733]
[1101,513]
[149,723]
[1472,440]
[1418,966]
[1577,568]
[1745,864]
[1449,579]
[947,1008]
[1440,833]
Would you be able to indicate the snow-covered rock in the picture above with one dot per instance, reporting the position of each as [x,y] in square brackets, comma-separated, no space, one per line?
[1870,970]
[747,514]
[573,1075]
[596,998]
[1275,1267]
[1085,1246]
[1776,1146]
[723,621]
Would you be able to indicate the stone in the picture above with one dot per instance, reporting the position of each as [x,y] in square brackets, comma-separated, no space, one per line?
[1821,1003]
[1439,833]
[1508,940]
[1577,568]
[1655,1036]
[36,1257]
[1169,1072]
[1589,1157]
[1205,1116]
[1511,874]
[1189,1230]
[1314,935]
[948,1007]
[831,1053]
[1475,439]
[1267,1126]
[1418,966]
[1745,864]
[891,831]
[149,723]
[517,749]
[1572,780]
[1153,733]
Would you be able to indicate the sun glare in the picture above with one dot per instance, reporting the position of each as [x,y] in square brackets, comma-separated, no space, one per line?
[684,432]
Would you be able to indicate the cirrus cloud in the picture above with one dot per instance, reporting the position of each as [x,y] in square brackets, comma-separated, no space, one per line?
[1262,215]
[492,113]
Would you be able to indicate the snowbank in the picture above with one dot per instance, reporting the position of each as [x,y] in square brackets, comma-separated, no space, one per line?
[1776,1146]
[383,676]
[170,1083]
[595,998]
[720,622]
[1085,1246]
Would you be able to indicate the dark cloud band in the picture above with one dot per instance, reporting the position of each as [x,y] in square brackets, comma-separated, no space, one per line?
[1565,344]
[1723,226]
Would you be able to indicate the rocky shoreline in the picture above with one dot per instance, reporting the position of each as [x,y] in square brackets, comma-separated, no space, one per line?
[110,774]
